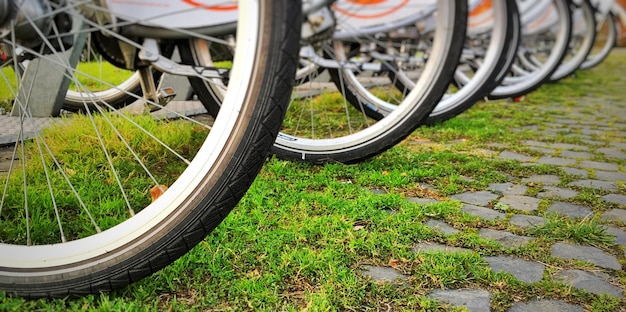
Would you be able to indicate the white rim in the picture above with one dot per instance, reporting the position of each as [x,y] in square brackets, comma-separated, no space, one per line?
[306,146]
[31,257]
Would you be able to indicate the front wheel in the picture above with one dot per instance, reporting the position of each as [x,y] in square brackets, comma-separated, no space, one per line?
[76,213]
[330,121]
[605,41]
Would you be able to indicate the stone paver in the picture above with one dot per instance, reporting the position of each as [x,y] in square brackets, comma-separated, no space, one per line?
[526,222]
[507,188]
[615,198]
[595,184]
[523,270]
[595,283]
[518,202]
[619,145]
[575,171]
[576,155]
[612,153]
[615,215]
[442,226]
[598,165]
[558,192]
[620,236]
[569,146]
[475,300]
[545,305]
[535,143]
[545,179]
[421,200]
[481,198]
[586,253]
[378,191]
[610,175]
[507,239]
[569,210]
[10,127]
[382,274]
[485,213]
[516,156]
[556,161]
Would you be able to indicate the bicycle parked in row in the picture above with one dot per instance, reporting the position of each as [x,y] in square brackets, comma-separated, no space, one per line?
[319,81]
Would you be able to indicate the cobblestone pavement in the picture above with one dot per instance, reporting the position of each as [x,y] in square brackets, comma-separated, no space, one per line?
[594,162]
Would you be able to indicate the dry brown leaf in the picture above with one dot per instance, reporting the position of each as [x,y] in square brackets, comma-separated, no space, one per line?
[394,263]
[156,191]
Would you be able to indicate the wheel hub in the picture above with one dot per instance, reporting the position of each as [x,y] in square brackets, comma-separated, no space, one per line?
[7,10]
[32,15]
[33,18]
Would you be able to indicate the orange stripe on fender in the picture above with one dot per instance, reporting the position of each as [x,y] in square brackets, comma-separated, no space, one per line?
[212,7]
[483,7]
[369,2]
[366,2]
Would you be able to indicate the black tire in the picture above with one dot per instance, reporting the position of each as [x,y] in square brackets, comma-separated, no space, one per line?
[496,63]
[525,76]
[368,140]
[609,22]
[255,125]
[581,42]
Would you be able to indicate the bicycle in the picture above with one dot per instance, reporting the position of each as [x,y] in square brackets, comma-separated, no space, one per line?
[607,32]
[546,34]
[329,120]
[583,37]
[77,222]
[389,52]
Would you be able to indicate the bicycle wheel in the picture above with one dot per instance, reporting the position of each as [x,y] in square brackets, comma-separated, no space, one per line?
[492,40]
[545,43]
[111,83]
[122,94]
[494,34]
[321,124]
[605,41]
[79,220]
[583,36]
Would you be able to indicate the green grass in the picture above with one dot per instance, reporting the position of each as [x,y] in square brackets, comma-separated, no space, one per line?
[104,73]
[299,237]
[6,95]
[85,166]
